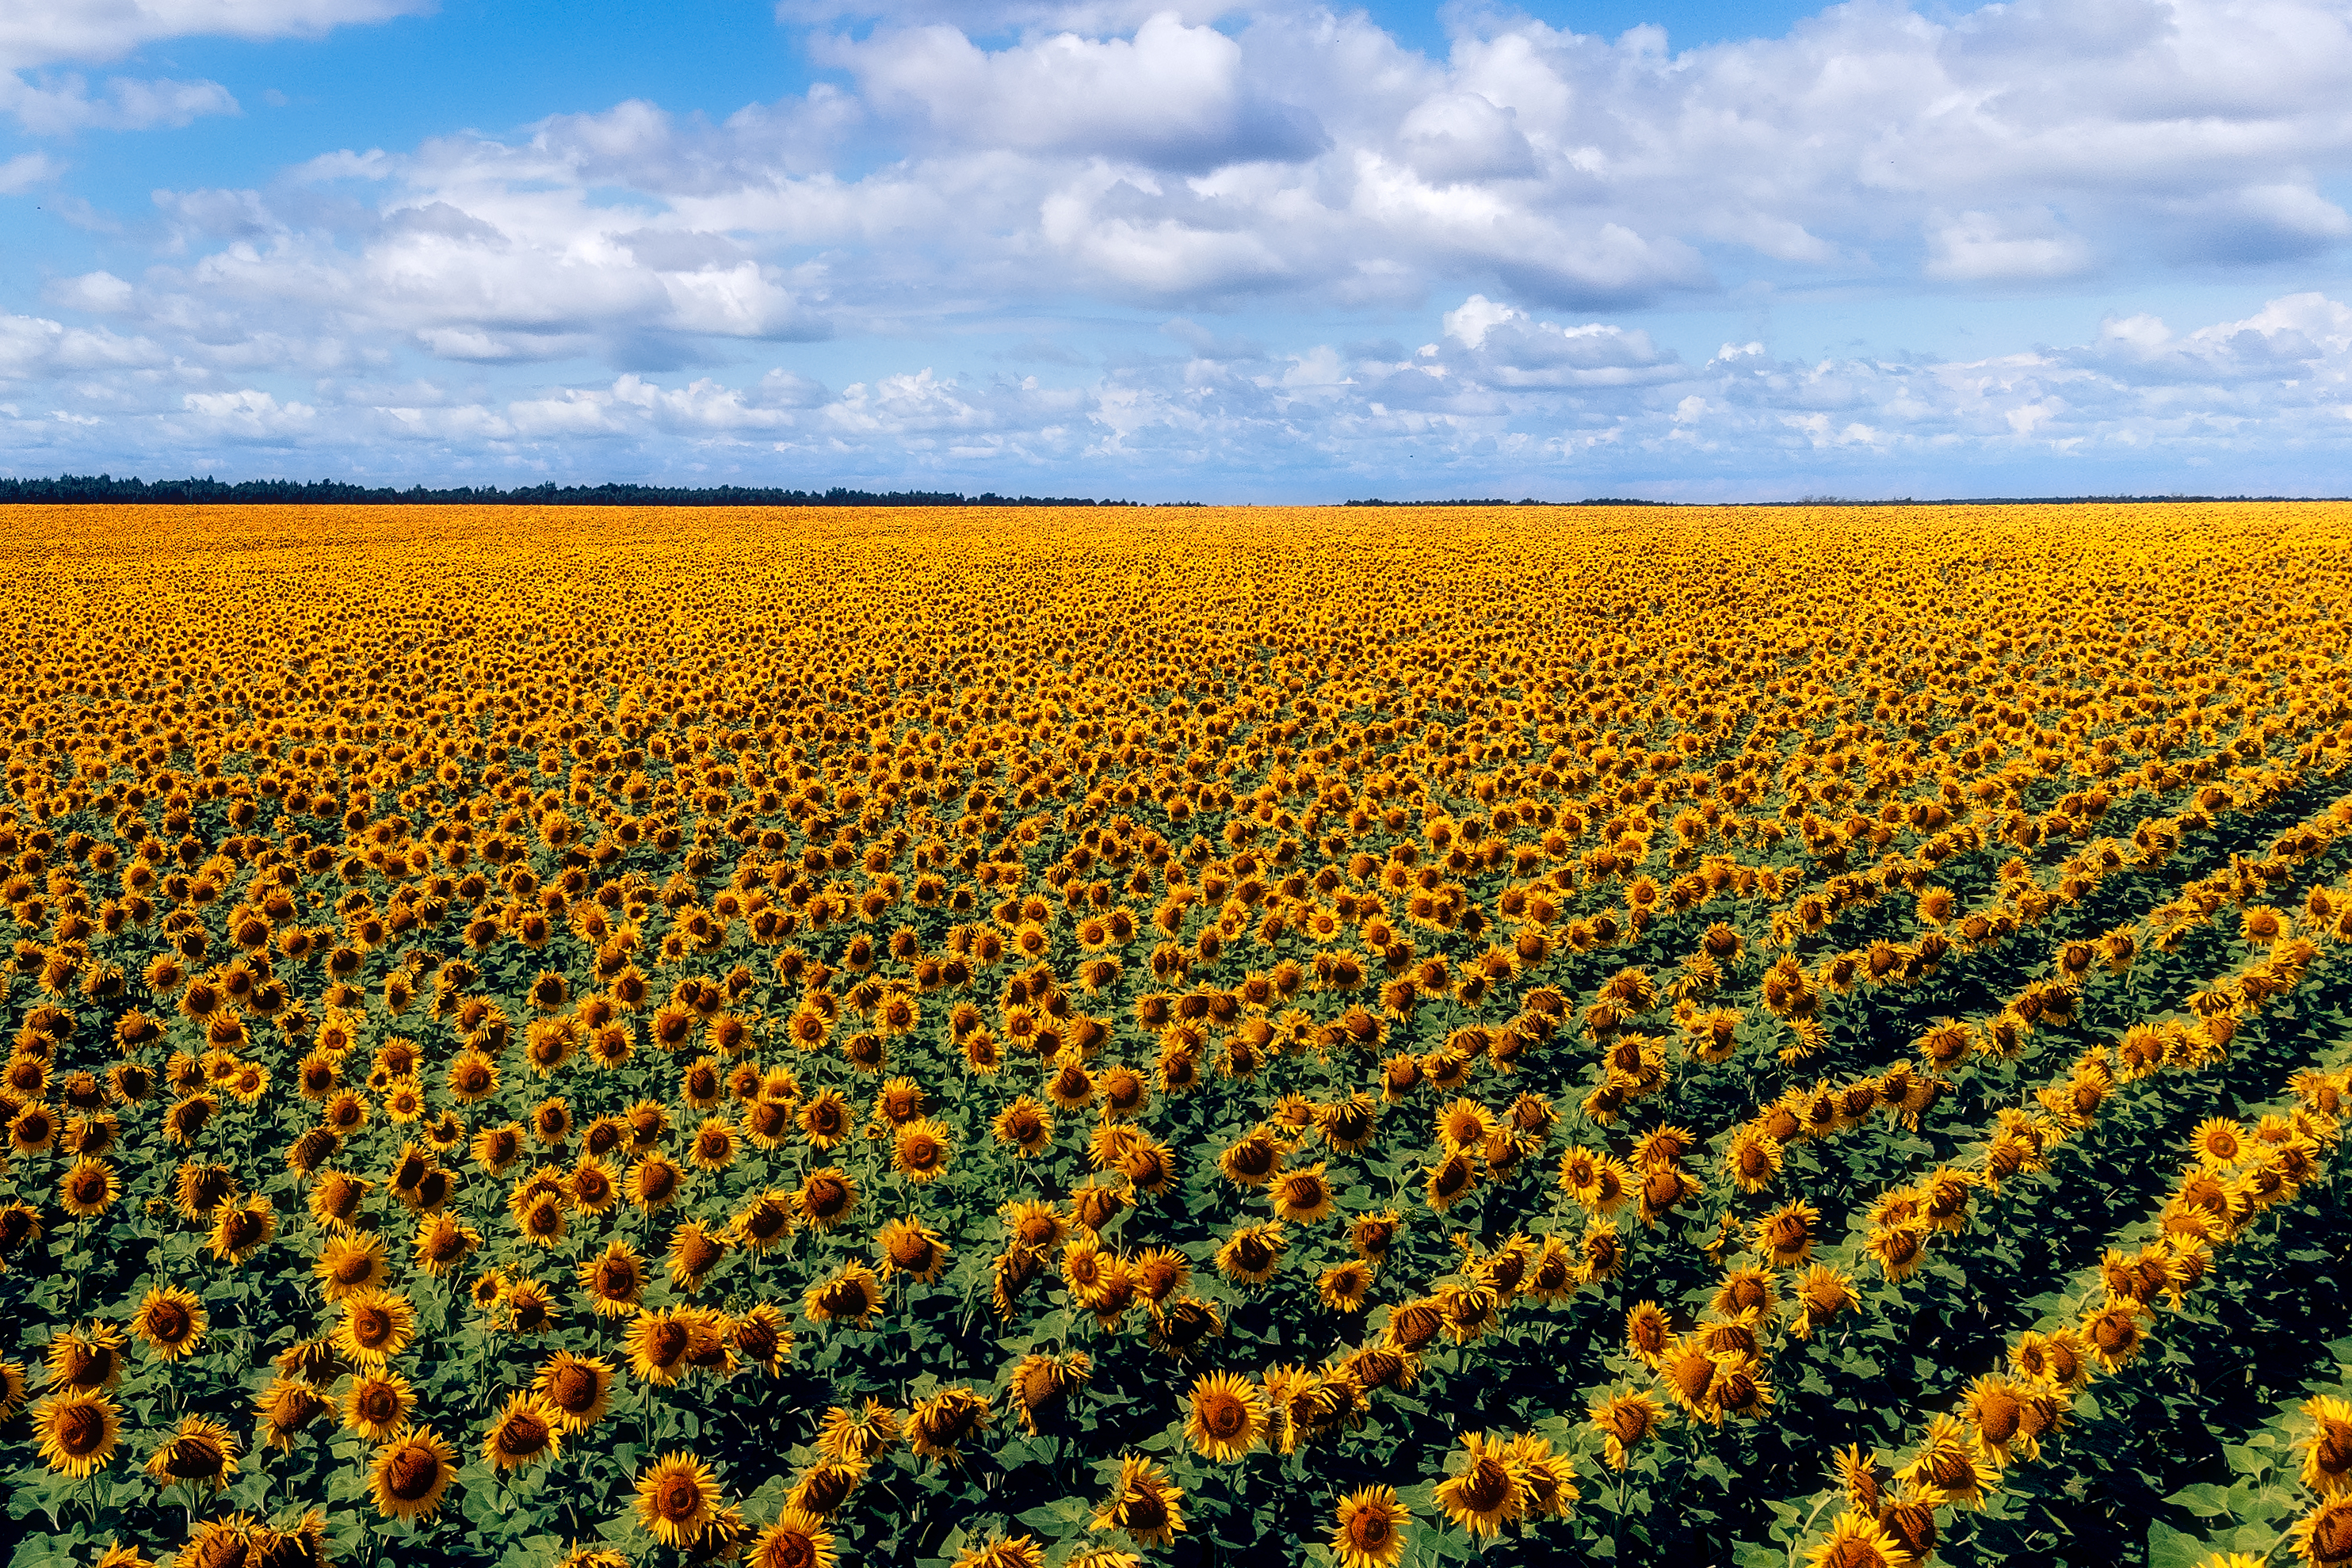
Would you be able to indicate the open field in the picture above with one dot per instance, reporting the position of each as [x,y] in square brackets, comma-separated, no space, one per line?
[1000,1037]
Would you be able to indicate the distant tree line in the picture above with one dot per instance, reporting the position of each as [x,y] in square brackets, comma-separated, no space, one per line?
[106,489]
[86,489]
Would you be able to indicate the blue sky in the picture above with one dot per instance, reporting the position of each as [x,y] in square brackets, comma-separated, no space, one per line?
[1167,250]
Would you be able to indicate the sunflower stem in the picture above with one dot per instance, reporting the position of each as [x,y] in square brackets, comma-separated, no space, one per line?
[1806,1530]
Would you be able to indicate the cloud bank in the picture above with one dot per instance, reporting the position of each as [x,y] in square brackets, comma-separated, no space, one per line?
[964,168]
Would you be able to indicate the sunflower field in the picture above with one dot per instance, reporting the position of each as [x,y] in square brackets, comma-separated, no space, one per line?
[987,1039]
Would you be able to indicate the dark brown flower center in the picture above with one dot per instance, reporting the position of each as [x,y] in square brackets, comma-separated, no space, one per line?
[679,1498]
[413,1473]
[80,1429]
[1487,1487]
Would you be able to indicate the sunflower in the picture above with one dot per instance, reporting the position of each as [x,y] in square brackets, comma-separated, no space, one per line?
[913,1249]
[2323,1536]
[240,1230]
[852,1294]
[1024,1125]
[826,1119]
[443,1242]
[1450,1180]
[1148,1167]
[1821,1292]
[1857,1541]
[821,1489]
[678,1497]
[198,1189]
[1253,1253]
[825,1197]
[1226,1418]
[1753,1159]
[1624,1421]
[760,1338]
[377,1405]
[1303,1196]
[614,1280]
[201,1455]
[1786,1235]
[1687,1372]
[1488,1492]
[712,1148]
[919,1150]
[1369,1529]
[526,1432]
[1550,1478]
[796,1539]
[574,1390]
[1552,1273]
[284,1410]
[1464,1124]
[657,1342]
[1343,1287]
[472,1078]
[592,1190]
[89,1187]
[2059,1358]
[1864,1477]
[2111,1332]
[410,1473]
[530,1309]
[1898,1250]
[1648,1332]
[496,1149]
[938,1427]
[1950,1464]
[2328,1451]
[78,1431]
[1010,1552]
[1143,1503]
[1039,1383]
[652,1181]
[350,1264]
[87,1362]
[1740,1388]
[858,1437]
[1252,1159]
[170,1320]
[694,1251]
[376,1326]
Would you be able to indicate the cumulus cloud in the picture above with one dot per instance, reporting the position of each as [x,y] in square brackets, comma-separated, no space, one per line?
[1004,160]
[1011,165]
[59,32]
[55,108]
[52,31]
[25,171]
[1558,407]
[1171,97]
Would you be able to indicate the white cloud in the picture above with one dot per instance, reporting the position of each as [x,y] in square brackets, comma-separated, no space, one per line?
[245,414]
[25,171]
[1981,248]
[1555,409]
[1171,96]
[1001,160]
[45,32]
[990,165]
[99,293]
[58,107]
[36,34]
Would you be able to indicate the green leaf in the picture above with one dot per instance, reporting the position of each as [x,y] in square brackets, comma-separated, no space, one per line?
[2204,1499]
